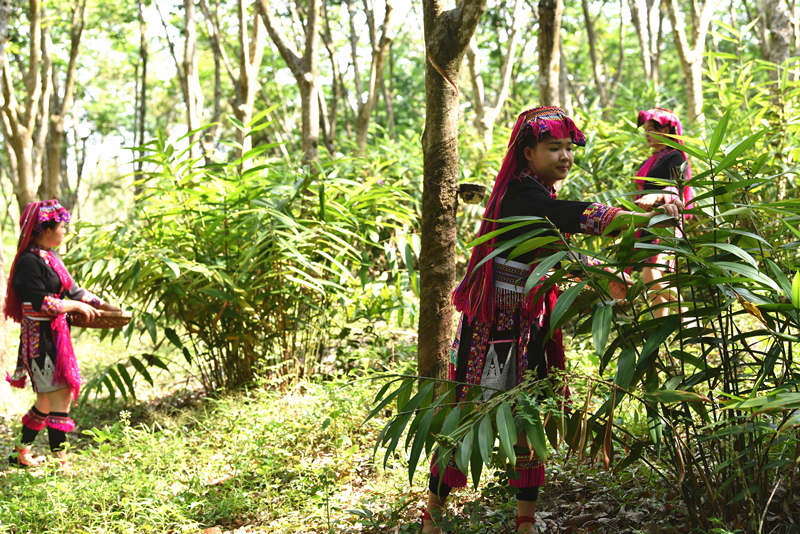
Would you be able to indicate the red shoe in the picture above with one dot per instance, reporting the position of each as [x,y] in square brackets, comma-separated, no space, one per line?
[522,519]
[23,457]
[426,516]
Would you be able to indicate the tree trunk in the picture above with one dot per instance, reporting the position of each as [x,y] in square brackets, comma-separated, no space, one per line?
[251,52]
[304,69]
[447,34]
[550,12]
[691,53]
[779,34]
[387,92]
[380,50]
[141,111]
[596,67]
[647,20]
[20,122]
[54,184]
[192,93]
[486,110]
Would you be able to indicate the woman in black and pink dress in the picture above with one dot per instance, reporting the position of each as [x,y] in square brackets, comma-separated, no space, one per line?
[39,296]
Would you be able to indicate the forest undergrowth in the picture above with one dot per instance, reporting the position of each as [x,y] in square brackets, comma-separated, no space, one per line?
[283,460]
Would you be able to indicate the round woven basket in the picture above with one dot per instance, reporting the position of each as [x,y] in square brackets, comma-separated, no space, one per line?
[103,319]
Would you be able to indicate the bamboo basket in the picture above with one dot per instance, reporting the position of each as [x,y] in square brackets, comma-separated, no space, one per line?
[104,319]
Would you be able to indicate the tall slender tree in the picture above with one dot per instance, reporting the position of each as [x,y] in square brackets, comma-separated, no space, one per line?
[304,67]
[550,12]
[691,52]
[647,19]
[487,108]
[380,49]
[447,35]
[24,132]
[54,183]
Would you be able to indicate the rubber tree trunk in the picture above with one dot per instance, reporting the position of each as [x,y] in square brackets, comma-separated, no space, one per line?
[550,12]
[447,34]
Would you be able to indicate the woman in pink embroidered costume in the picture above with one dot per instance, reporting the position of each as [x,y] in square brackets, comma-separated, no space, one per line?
[663,162]
[39,295]
[502,332]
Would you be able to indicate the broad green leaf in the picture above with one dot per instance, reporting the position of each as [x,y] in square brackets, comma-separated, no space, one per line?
[488,236]
[506,431]
[541,269]
[486,439]
[464,452]
[666,396]
[626,365]
[738,150]
[796,290]
[733,249]
[601,326]
[562,305]
[532,244]
[536,436]
[748,272]
[421,435]
[141,369]
[476,462]
[123,372]
[719,134]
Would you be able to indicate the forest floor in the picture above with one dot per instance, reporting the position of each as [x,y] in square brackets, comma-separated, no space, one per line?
[280,459]
[297,460]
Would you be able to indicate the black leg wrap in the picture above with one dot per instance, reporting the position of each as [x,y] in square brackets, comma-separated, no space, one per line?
[57,436]
[28,435]
[528,494]
[441,490]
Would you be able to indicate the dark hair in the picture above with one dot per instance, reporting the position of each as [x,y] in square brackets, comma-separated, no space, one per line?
[47,225]
[526,139]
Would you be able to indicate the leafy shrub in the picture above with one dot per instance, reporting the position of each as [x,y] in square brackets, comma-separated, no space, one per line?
[243,264]
[710,397]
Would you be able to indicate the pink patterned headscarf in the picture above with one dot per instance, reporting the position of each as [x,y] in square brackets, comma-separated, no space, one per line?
[474,296]
[665,117]
[30,222]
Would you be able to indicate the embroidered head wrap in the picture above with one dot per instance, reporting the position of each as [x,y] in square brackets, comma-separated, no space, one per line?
[30,222]
[665,117]
[474,296]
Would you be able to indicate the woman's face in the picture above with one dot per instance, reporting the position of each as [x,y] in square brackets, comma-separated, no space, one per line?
[52,237]
[551,158]
[651,127]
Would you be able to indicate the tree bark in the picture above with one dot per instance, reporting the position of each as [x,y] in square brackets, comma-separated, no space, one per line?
[596,66]
[380,50]
[447,34]
[550,12]
[486,110]
[251,52]
[141,111]
[779,34]
[691,53]
[54,184]
[305,71]
[647,20]
[19,121]
[388,96]
[192,93]
[330,123]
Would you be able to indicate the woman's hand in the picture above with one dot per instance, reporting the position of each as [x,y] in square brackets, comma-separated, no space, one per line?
[673,209]
[107,306]
[619,288]
[76,306]
[647,202]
